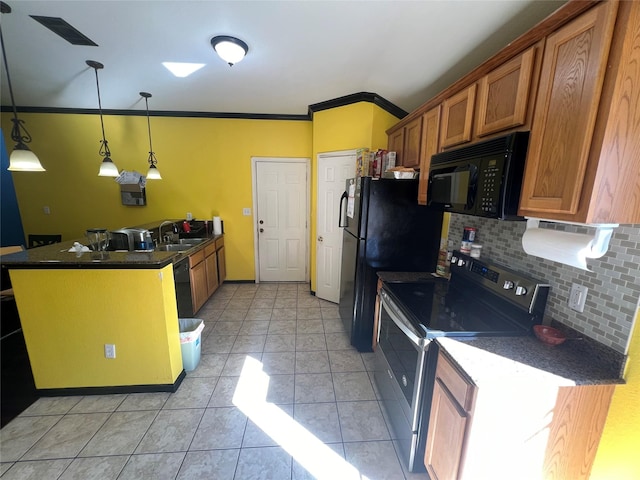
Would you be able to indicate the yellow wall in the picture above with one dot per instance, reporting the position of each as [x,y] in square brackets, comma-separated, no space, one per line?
[618,455]
[133,309]
[360,125]
[205,166]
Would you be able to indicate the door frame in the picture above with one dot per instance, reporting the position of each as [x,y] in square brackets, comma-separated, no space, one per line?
[254,194]
[319,157]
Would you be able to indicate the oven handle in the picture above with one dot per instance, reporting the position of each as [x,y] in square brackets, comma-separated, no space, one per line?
[399,319]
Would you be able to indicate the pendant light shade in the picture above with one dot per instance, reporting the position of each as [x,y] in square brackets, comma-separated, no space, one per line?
[153,173]
[21,159]
[107,167]
[230,49]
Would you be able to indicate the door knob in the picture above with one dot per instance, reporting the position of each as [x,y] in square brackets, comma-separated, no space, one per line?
[261,230]
[320,239]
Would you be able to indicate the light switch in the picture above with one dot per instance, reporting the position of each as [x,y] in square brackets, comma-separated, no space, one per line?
[246,212]
[46,210]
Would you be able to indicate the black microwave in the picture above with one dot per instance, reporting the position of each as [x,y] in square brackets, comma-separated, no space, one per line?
[483,179]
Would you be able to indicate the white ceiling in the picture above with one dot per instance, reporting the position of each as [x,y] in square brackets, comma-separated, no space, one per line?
[300,52]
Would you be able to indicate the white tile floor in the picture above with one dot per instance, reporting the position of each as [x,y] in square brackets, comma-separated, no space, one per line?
[278,394]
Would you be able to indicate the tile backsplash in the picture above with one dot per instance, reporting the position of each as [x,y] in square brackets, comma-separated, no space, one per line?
[614,283]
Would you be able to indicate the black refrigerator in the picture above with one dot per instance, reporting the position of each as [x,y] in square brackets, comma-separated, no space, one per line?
[384,229]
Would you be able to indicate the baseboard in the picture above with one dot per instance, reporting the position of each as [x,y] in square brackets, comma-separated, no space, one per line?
[57,392]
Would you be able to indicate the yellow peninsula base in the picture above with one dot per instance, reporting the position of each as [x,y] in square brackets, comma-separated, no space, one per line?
[69,315]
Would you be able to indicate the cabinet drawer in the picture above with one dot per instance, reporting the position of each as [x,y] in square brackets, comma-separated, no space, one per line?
[210,249]
[453,380]
[196,258]
[219,243]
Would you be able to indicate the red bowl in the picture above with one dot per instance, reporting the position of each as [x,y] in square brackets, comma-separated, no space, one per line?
[549,335]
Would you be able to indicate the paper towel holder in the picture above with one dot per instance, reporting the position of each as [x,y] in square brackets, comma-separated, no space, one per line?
[601,237]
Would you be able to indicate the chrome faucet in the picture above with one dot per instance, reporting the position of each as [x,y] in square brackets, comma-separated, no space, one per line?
[166,238]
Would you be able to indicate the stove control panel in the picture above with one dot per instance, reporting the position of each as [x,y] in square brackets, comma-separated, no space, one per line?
[526,292]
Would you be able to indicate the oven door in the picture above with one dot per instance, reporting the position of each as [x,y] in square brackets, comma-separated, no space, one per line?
[400,370]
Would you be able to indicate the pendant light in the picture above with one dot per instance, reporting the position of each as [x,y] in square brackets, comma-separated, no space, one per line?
[21,159]
[153,173]
[107,167]
[230,49]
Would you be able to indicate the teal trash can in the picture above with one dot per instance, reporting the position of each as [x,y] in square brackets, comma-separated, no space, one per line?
[190,342]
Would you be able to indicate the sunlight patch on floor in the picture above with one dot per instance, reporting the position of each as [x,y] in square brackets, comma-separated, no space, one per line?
[317,458]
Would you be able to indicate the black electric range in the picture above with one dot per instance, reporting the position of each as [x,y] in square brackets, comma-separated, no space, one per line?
[480,299]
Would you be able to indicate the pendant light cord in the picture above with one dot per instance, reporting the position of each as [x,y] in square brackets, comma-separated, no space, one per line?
[104,150]
[146,101]
[16,134]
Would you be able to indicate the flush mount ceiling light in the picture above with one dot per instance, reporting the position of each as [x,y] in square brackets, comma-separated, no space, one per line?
[230,49]
[21,159]
[107,167]
[153,173]
[182,69]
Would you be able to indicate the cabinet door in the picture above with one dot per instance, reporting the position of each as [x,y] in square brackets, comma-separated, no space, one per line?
[430,135]
[222,266]
[396,144]
[573,68]
[199,291]
[457,117]
[412,139]
[447,425]
[503,95]
[211,268]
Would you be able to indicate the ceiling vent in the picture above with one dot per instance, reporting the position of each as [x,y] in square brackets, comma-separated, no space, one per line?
[63,29]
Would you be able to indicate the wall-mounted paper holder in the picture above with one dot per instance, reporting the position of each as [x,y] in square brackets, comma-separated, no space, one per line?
[566,247]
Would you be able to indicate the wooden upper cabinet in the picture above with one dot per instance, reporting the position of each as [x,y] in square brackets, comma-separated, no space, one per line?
[457,117]
[430,146]
[503,95]
[412,140]
[564,124]
[396,144]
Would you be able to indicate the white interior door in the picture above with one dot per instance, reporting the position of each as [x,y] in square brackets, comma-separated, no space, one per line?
[333,170]
[281,209]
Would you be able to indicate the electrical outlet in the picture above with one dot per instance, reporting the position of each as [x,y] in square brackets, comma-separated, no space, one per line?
[577,297]
[189,216]
[109,350]
[246,212]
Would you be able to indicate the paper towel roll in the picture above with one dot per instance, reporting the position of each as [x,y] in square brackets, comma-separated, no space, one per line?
[564,247]
[217,226]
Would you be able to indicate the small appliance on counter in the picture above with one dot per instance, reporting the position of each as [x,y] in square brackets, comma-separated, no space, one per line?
[130,239]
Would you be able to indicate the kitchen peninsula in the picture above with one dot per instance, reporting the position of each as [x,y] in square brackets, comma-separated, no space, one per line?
[72,304]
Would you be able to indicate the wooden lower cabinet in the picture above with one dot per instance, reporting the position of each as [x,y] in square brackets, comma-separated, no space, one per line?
[507,427]
[198,274]
[447,421]
[207,272]
[211,267]
[222,264]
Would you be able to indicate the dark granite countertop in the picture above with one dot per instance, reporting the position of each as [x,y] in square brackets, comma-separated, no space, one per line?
[57,256]
[577,361]
[492,359]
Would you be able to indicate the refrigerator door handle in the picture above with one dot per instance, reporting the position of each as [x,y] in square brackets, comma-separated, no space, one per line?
[342,199]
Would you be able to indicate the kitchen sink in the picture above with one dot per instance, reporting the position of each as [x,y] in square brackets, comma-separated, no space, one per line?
[174,247]
[191,241]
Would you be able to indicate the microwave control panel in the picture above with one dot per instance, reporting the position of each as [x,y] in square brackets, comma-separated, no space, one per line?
[489,181]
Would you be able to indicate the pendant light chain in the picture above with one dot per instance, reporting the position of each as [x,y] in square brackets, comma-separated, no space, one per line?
[16,134]
[153,173]
[152,156]
[104,148]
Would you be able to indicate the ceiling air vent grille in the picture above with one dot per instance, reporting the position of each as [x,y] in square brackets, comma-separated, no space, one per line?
[62,28]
